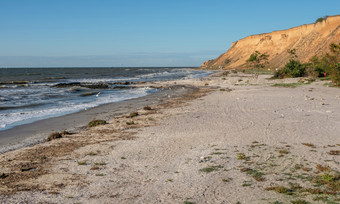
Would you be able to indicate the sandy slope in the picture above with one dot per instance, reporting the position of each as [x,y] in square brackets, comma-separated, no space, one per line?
[165,163]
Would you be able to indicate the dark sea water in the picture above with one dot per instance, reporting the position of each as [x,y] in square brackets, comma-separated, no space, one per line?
[31,94]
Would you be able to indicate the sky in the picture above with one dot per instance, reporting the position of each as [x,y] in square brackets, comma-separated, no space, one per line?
[134,33]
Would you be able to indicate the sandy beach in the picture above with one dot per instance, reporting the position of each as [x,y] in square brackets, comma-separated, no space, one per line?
[230,139]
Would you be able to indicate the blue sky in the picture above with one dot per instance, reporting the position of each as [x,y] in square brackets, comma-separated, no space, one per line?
[57,33]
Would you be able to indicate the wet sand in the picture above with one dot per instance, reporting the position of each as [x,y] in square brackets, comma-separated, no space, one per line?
[33,133]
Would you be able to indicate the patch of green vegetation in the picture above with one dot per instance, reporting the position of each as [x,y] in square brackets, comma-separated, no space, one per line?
[299,201]
[288,85]
[187,201]
[94,123]
[247,183]
[92,154]
[82,162]
[99,174]
[123,158]
[100,163]
[281,189]
[133,114]
[241,156]
[211,168]
[169,180]
[321,19]
[227,179]
[321,198]
[257,175]
[130,122]
[217,153]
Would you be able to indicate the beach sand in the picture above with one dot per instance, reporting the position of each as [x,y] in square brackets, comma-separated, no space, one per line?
[235,139]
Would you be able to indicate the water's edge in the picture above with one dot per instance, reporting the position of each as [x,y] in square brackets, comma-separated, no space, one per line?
[36,132]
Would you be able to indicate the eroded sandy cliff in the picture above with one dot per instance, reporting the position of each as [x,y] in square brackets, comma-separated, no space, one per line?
[308,40]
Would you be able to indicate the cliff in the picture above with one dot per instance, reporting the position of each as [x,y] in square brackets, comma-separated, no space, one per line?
[308,40]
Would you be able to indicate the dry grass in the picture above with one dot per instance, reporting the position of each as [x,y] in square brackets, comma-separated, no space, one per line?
[334,152]
[309,145]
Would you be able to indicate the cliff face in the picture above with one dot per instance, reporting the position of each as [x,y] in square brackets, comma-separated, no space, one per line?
[308,40]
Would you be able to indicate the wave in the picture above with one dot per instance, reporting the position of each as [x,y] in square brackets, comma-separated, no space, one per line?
[13,118]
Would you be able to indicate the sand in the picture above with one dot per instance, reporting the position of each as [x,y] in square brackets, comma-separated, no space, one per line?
[237,139]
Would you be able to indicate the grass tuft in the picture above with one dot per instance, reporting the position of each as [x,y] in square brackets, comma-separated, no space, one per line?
[211,168]
[82,162]
[94,123]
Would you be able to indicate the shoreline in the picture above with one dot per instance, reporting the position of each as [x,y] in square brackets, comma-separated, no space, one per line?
[36,132]
[236,139]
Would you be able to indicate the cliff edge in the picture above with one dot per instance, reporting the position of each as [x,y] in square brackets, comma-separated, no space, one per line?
[308,40]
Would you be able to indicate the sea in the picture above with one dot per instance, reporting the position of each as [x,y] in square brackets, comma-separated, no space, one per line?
[31,94]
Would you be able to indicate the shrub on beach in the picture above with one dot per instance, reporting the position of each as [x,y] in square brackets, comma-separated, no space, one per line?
[293,68]
[318,66]
[94,123]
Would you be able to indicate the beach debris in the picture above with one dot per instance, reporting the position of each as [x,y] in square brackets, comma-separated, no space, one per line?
[53,136]
[3,175]
[203,159]
[130,123]
[147,108]
[94,123]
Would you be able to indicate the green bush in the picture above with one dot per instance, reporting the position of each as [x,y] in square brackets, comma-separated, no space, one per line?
[321,19]
[293,68]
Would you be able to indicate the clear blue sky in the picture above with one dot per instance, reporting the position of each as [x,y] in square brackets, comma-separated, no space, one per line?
[139,32]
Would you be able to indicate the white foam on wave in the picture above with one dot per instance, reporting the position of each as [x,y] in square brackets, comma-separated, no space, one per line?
[11,119]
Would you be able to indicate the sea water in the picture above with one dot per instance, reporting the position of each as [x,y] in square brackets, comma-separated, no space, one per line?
[31,94]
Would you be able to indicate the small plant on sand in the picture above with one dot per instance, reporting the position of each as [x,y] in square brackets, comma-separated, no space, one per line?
[334,152]
[82,162]
[283,151]
[92,154]
[187,201]
[241,156]
[258,176]
[287,85]
[227,179]
[99,174]
[100,163]
[322,168]
[94,123]
[130,123]
[247,183]
[280,189]
[123,158]
[299,201]
[211,168]
[309,145]
[134,114]
[53,136]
